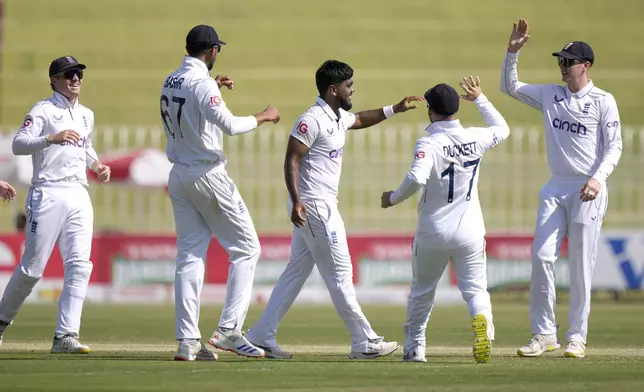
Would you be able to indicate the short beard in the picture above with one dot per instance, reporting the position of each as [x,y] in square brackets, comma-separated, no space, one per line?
[345,104]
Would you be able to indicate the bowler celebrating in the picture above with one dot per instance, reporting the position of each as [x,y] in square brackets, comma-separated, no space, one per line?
[583,145]
[57,133]
[312,172]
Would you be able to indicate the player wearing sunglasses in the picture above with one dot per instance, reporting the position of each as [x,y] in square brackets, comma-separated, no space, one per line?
[583,146]
[57,133]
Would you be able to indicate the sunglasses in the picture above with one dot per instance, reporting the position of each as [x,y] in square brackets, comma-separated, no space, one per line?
[69,74]
[568,62]
[218,47]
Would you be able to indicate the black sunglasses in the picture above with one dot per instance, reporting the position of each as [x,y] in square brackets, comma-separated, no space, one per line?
[218,47]
[69,74]
[568,62]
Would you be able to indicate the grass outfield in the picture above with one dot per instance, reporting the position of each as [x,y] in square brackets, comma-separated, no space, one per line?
[133,348]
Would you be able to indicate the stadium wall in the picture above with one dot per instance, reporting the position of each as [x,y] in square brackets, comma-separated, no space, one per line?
[140,269]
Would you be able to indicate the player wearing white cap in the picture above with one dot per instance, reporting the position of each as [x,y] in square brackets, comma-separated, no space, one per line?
[57,133]
[583,146]
[312,171]
[205,200]
[450,221]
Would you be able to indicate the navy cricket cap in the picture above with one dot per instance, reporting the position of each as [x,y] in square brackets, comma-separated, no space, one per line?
[577,50]
[202,37]
[63,64]
[442,99]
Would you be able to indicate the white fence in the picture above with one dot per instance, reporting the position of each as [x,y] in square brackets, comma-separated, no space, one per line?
[375,160]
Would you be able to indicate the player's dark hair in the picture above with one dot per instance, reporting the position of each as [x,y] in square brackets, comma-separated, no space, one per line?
[332,72]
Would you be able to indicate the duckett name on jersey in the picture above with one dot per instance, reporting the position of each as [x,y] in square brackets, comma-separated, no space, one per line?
[458,150]
[563,125]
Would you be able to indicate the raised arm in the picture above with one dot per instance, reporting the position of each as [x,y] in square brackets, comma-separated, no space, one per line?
[530,94]
[612,138]
[368,118]
[213,108]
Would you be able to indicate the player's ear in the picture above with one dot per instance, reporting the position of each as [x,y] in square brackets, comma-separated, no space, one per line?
[334,90]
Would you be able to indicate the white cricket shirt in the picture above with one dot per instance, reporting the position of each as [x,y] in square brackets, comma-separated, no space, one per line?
[65,162]
[583,134]
[324,134]
[446,166]
[195,116]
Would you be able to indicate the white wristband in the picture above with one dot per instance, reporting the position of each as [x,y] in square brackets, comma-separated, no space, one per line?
[388,111]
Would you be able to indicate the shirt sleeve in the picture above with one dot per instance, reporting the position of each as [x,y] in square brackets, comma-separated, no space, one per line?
[90,154]
[530,94]
[306,130]
[612,138]
[497,128]
[213,108]
[418,173]
[28,140]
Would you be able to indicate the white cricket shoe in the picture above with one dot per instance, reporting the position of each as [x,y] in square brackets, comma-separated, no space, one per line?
[195,351]
[376,348]
[482,348]
[274,352]
[575,349]
[538,345]
[68,344]
[417,354]
[235,342]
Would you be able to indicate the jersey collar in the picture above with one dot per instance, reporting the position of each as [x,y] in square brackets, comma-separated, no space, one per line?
[581,93]
[193,62]
[327,109]
[443,126]
[60,100]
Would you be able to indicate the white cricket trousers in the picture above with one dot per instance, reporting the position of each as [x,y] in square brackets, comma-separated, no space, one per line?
[207,203]
[562,213]
[322,241]
[428,265]
[56,213]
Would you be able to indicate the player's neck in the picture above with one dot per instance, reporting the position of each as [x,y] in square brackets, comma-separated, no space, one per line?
[578,84]
[334,106]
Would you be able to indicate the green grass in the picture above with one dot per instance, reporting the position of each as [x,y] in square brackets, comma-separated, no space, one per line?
[396,49]
[133,348]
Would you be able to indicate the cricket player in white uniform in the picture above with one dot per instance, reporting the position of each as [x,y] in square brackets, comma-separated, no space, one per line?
[312,172]
[450,221]
[205,200]
[7,192]
[57,133]
[583,145]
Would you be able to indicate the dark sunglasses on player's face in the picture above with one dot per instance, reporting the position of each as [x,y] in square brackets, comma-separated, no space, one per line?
[69,74]
[564,62]
[218,47]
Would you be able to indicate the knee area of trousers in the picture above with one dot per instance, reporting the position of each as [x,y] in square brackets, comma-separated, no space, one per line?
[78,269]
[29,275]
[544,255]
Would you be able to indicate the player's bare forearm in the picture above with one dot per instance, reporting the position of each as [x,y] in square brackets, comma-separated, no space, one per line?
[369,118]
[294,153]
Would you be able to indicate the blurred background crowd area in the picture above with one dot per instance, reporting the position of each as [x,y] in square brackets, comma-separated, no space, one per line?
[274,48]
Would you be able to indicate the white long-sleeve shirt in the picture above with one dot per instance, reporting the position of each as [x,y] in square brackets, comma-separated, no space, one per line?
[446,163]
[583,133]
[65,162]
[195,116]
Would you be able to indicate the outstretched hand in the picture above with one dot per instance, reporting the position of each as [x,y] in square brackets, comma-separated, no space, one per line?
[407,103]
[471,85]
[519,36]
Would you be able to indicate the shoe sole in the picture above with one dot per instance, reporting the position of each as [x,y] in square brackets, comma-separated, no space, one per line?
[240,353]
[548,349]
[268,355]
[83,351]
[482,348]
[573,355]
[378,355]
[178,358]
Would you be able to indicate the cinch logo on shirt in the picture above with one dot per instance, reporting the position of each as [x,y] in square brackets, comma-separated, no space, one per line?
[334,154]
[82,143]
[564,125]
